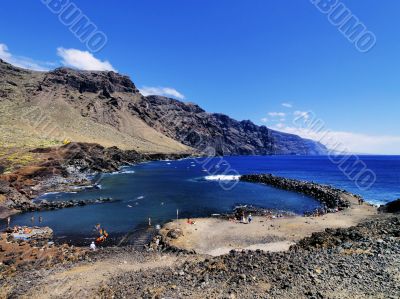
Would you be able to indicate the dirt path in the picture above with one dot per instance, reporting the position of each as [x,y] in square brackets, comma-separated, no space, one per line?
[216,236]
[84,281]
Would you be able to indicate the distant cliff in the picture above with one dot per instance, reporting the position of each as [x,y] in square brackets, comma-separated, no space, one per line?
[106,108]
[196,128]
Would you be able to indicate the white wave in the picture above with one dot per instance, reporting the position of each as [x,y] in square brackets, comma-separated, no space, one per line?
[222,177]
[122,172]
[140,197]
[127,171]
[51,193]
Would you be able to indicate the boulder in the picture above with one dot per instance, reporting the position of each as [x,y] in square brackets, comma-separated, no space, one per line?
[391,207]
[175,233]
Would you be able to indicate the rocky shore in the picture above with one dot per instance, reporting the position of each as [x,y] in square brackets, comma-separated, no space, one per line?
[331,198]
[45,205]
[358,262]
[24,249]
[63,168]
[362,261]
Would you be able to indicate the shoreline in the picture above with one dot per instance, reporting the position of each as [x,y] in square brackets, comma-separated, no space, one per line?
[70,168]
[217,236]
[263,244]
[341,197]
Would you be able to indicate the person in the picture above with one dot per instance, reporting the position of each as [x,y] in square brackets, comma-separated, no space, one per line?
[93,246]
[243,217]
[40,219]
[250,218]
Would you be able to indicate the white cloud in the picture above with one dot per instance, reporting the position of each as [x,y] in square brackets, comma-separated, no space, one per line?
[83,60]
[277,114]
[349,141]
[264,120]
[279,126]
[287,105]
[21,61]
[161,91]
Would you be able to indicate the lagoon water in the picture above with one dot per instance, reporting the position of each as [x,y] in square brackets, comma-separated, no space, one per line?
[196,188]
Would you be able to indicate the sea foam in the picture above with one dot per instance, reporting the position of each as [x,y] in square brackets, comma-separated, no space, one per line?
[222,177]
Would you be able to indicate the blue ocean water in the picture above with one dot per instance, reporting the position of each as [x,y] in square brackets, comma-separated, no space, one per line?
[194,188]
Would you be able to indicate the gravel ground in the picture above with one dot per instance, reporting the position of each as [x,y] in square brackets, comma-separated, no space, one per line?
[358,262]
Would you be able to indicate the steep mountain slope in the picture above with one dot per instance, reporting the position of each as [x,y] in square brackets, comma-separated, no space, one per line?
[194,127]
[38,109]
[47,108]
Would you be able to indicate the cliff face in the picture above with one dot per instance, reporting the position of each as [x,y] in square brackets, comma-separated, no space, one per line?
[107,108]
[196,128]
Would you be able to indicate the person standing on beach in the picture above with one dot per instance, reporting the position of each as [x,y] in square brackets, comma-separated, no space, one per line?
[93,246]
[250,218]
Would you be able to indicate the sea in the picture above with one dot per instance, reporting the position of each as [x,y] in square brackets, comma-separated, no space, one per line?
[201,187]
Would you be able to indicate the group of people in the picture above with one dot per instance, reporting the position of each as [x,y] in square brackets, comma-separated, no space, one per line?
[247,219]
[22,230]
[189,221]
[32,220]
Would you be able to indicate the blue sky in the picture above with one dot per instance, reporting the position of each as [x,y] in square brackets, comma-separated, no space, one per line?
[242,58]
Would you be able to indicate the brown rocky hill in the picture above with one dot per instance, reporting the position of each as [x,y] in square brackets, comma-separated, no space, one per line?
[44,108]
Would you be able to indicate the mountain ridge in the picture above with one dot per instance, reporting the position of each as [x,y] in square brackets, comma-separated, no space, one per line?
[107,108]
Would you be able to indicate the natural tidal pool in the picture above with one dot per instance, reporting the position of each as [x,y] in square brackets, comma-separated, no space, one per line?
[158,189]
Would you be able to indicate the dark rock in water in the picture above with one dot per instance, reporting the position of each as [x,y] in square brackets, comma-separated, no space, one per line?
[327,195]
[54,205]
[391,207]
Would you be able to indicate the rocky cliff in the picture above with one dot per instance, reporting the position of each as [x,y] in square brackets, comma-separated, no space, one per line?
[107,108]
[194,127]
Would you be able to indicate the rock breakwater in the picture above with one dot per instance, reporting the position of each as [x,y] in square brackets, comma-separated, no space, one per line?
[332,198]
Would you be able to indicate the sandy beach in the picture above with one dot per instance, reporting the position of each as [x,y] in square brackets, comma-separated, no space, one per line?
[215,236]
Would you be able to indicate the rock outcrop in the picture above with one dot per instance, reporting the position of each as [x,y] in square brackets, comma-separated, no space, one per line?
[89,81]
[391,207]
